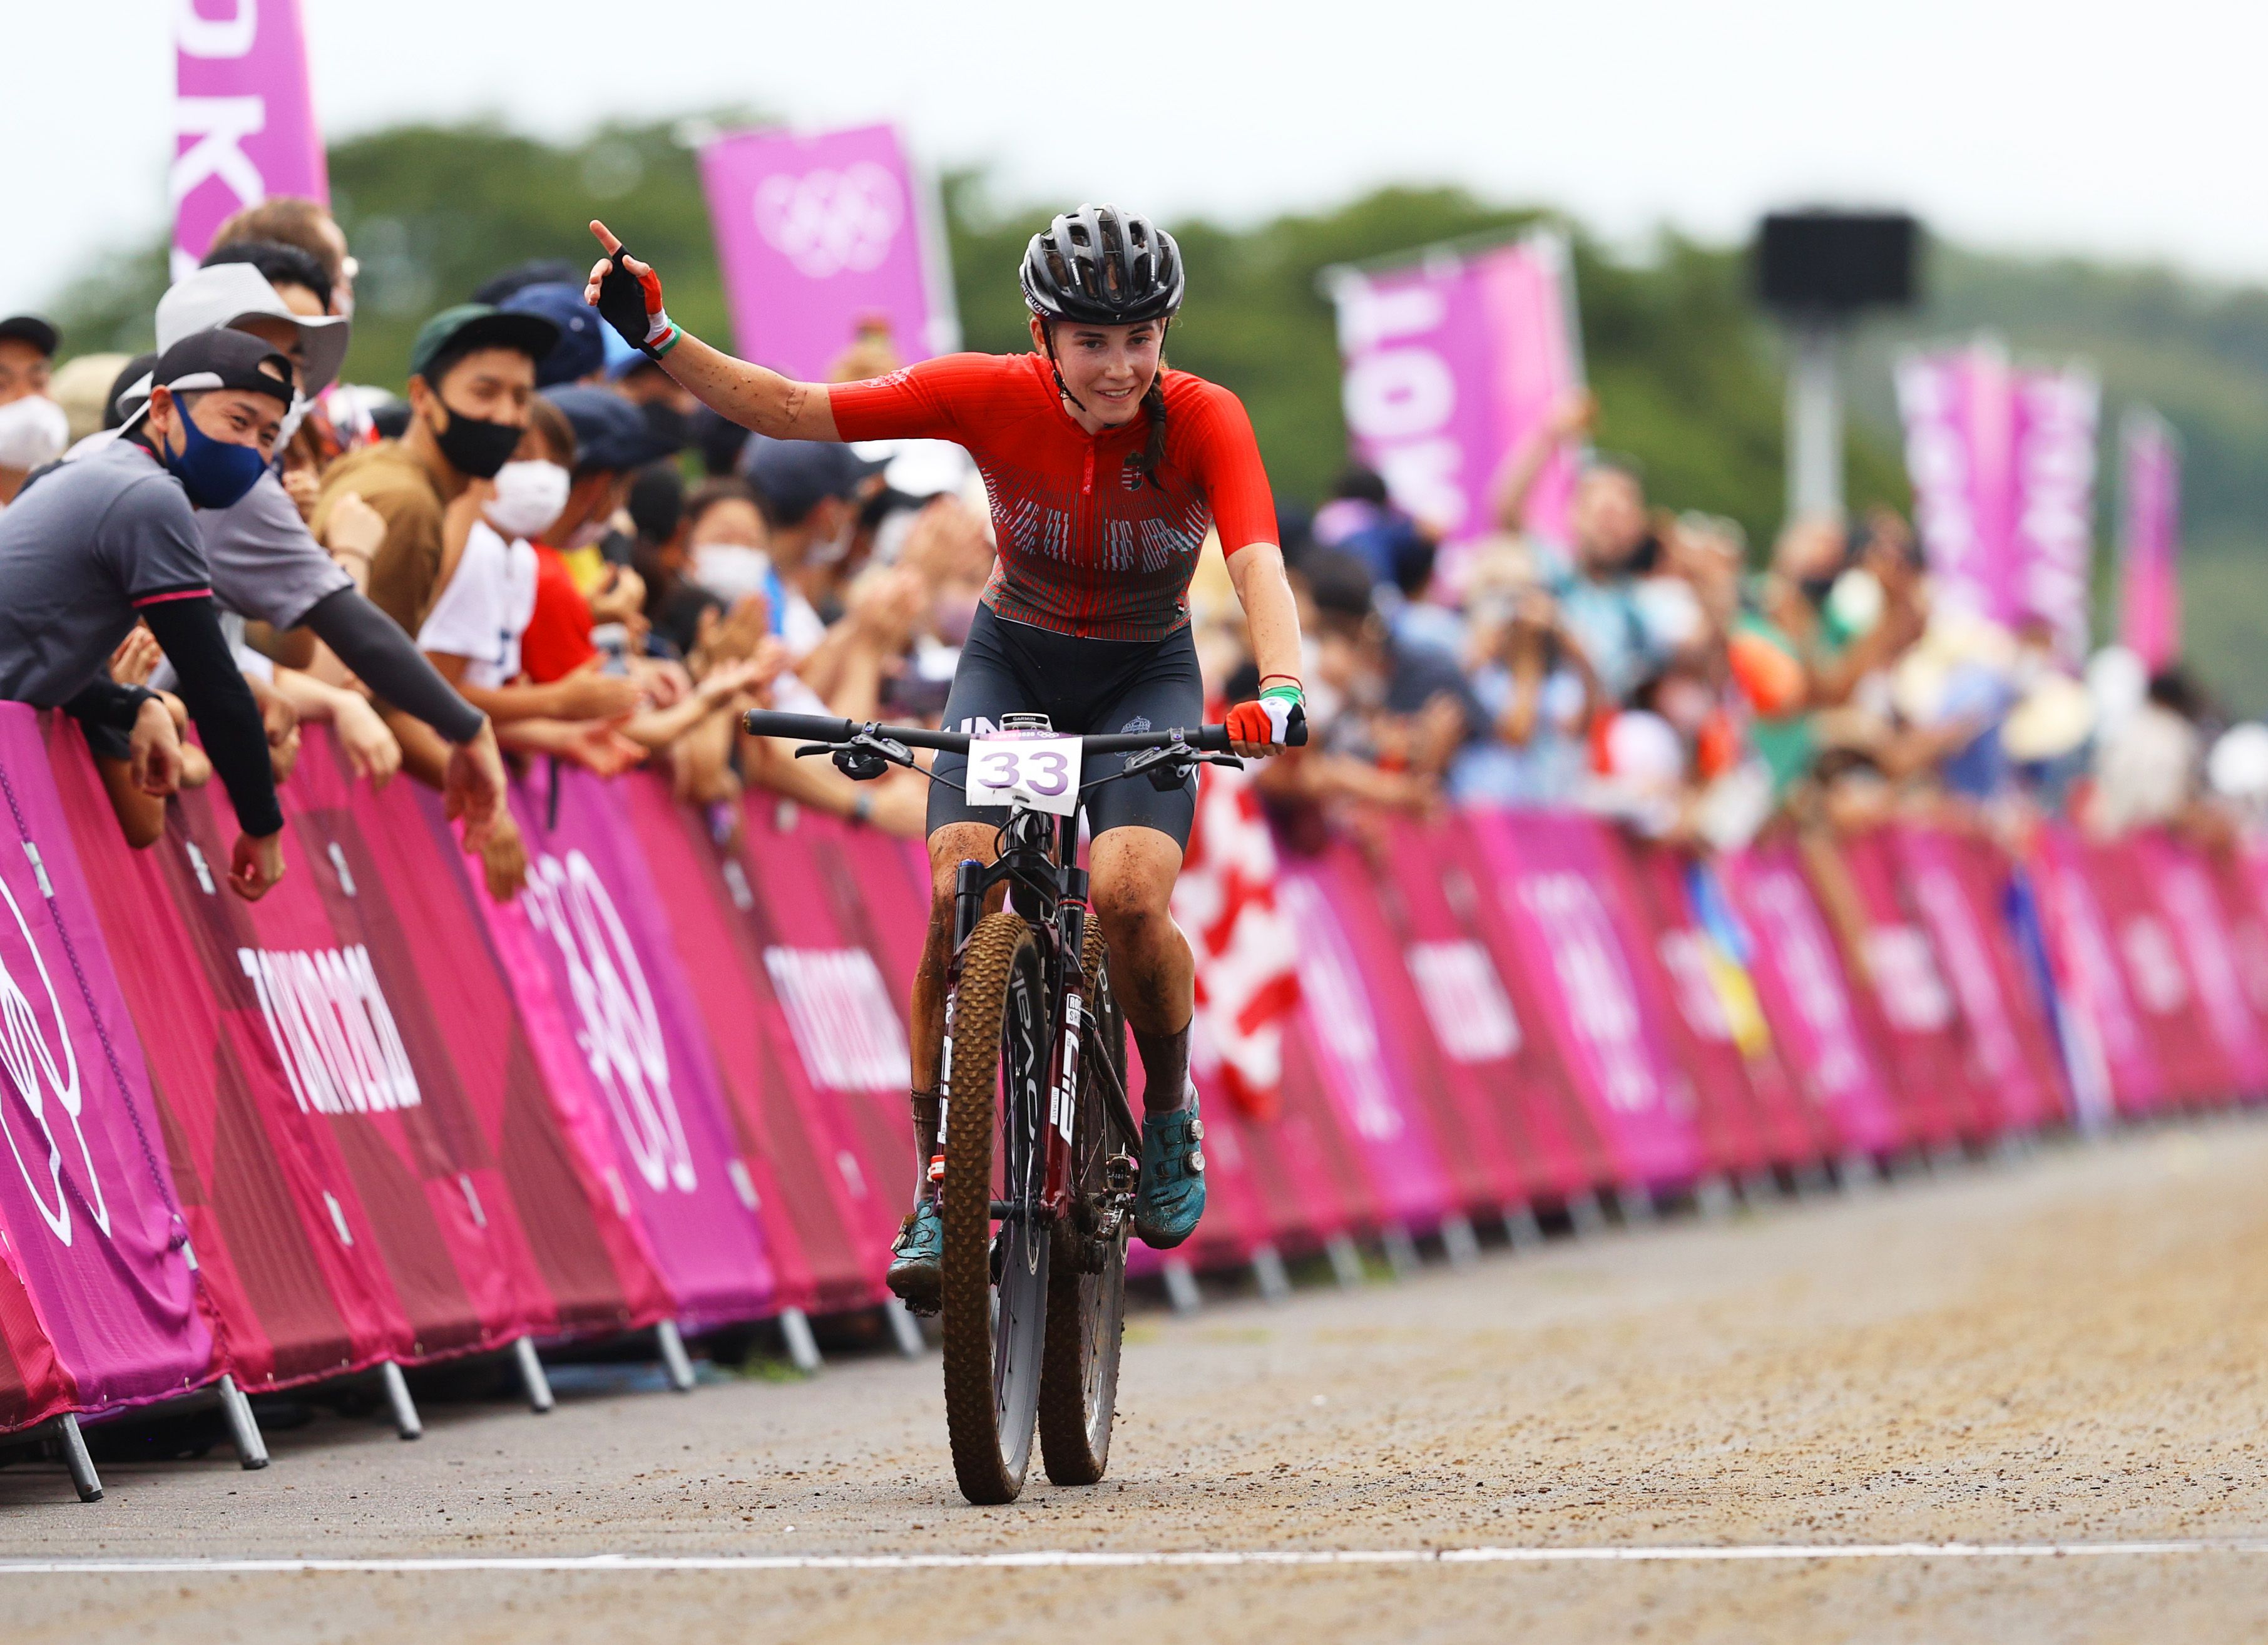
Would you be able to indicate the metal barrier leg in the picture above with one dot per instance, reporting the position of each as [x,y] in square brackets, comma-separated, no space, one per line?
[1268,1273]
[802,1346]
[1759,1189]
[397,1395]
[1182,1288]
[1401,1250]
[1636,1206]
[243,1430]
[1521,1228]
[1857,1171]
[1585,1216]
[905,1329]
[1347,1261]
[1459,1243]
[1712,1198]
[83,1477]
[674,1359]
[533,1382]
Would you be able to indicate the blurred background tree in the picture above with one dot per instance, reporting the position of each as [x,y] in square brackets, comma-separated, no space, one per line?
[1687,370]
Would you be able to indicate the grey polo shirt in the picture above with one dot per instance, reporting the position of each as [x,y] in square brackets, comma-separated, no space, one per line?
[265,563]
[82,550]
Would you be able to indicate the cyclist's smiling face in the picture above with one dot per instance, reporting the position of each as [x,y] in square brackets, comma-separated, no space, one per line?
[1107,368]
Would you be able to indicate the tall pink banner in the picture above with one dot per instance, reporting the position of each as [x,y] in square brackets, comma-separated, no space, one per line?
[2149,538]
[93,1224]
[244,116]
[2002,461]
[2052,542]
[1451,361]
[819,232]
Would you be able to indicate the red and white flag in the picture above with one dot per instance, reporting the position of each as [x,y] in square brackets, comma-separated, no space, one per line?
[1247,963]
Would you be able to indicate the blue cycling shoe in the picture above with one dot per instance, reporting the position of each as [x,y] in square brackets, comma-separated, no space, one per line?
[917,1258]
[1172,1196]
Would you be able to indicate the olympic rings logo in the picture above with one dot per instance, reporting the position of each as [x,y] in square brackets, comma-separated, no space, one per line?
[620,1036]
[826,221]
[38,1076]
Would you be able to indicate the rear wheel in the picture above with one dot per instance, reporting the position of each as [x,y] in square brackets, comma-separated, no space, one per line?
[1086,1286]
[995,1268]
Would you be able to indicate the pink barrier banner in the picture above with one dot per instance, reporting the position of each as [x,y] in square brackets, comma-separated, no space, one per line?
[1749,1114]
[2106,1022]
[2002,461]
[244,118]
[819,233]
[1558,897]
[1358,1051]
[1807,998]
[108,1312]
[1451,361]
[2149,538]
[1445,1015]
[608,1009]
[1488,1052]
[1910,1009]
[2189,896]
[1957,885]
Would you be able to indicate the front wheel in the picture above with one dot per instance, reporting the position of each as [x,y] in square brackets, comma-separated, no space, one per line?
[1086,1290]
[995,1266]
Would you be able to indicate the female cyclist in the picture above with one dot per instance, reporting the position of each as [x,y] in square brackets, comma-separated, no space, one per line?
[1105,470]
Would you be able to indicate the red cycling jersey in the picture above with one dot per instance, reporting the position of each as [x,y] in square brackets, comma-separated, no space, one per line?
[1087,545]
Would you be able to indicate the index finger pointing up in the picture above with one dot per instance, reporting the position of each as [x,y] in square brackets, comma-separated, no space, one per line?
[605,236]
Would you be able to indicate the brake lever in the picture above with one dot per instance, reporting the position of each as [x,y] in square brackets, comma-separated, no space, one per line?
[1167,768]
[865,757]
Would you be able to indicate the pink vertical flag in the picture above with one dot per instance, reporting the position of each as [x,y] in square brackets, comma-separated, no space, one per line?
[1452,360]
[820,233]
[2149,538]
[244,116]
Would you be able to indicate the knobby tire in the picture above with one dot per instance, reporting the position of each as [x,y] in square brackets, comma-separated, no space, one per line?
[992,1369]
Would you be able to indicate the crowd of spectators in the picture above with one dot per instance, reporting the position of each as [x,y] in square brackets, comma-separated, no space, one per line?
[544,548]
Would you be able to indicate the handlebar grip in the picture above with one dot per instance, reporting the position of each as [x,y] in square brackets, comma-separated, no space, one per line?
[765,722]
[1214,739]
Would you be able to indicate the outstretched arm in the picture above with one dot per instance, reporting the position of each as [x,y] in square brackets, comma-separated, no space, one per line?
[622,288]
[1272,617]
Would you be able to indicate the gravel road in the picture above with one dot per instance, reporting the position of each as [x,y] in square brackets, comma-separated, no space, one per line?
[2066,1350]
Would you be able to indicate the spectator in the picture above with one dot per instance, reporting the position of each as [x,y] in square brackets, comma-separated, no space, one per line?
[267,566]
[81,386]
[289,220]
[33,429]
[2148,767]
[580,355]
[94,545]
[472,373]
[809,493]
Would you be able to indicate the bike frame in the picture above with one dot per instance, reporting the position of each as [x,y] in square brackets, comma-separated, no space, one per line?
[1038,861]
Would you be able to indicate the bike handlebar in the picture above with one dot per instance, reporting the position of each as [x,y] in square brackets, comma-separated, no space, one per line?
[764,722]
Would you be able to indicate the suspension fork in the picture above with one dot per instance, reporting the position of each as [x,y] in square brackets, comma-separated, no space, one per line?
[1073,991]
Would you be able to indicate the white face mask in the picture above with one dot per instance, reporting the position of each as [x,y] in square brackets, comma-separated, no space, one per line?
[730,570]
[33,430]
[528,498]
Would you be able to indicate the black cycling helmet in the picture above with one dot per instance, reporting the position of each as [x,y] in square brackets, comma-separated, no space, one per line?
[1102,267]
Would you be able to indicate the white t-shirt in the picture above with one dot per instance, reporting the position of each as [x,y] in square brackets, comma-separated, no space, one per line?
[485,608]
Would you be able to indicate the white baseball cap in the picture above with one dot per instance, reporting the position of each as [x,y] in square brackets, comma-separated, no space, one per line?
[213,298]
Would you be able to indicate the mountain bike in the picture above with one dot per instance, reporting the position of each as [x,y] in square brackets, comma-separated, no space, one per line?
[1039,1147]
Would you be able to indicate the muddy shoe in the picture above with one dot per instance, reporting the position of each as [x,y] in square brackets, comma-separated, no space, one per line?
[1172,1196]
[916,1275]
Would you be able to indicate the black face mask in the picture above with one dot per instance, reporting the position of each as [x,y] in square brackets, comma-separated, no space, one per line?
[475,449]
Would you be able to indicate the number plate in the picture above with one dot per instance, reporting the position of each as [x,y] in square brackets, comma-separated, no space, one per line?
[1042,772]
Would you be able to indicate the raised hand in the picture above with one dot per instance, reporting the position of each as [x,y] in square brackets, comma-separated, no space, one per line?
[627,293]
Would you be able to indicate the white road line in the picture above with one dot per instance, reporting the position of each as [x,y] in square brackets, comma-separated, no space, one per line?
[1067,1559]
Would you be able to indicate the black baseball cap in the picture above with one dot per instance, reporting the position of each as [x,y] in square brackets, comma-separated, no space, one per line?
[206,360]
[470,326]
[32,330]
[610,432]
[794,475]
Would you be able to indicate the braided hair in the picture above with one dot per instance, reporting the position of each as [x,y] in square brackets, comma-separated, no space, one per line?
[1151,457]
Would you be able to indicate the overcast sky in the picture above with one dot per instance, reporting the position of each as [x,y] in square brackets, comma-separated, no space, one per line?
[2133,130]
